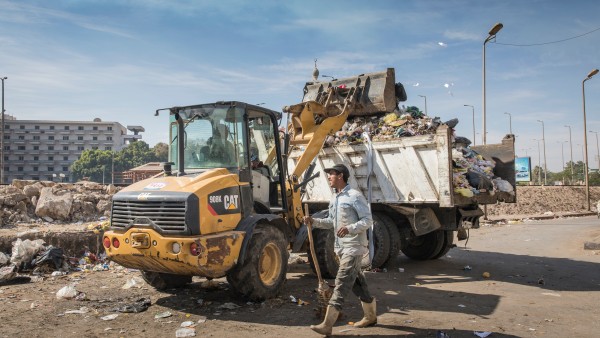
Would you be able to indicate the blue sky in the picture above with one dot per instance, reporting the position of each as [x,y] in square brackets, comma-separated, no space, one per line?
[121,60]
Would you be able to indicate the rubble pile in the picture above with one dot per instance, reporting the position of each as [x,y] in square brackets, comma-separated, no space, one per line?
[472,173]
[26,201]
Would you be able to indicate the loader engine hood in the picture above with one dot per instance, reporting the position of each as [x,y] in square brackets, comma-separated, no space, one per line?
[184,205]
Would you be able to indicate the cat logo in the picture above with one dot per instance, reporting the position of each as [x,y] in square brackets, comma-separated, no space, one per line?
[225,201]
[230,202]
[143,196]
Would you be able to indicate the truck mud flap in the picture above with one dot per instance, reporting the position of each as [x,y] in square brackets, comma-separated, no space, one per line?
[422,221]
[469,219]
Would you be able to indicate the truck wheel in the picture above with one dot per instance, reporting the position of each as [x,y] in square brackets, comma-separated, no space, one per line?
[394,233]
[448,244]
[424,247]
[262,272]
[381,239]
[328,260]
[162,281]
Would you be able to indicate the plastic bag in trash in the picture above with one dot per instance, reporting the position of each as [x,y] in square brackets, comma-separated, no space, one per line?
[24,251]
[67,292]
[140,305]
[52,257]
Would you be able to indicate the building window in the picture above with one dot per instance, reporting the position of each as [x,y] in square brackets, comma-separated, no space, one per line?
[65,169]
[21,127]
[36,137]
[50,147]
[80,138]
[50,168]
[36,178]
[51,138]
[7,137]
[109,128]
[80,128]
[19,168]
[95,128]
[35,168]
[6,169]
[36,158]
[107,148]
[109,138]
[21,148]
[65,147]
[65,158]
[95,148]
[6,147]
[95,138]
[65,138]
[66,127]
[51,127]
[37,127]
[79,147]
[7,126]
[21,158]
[21,137]
[36,147]
[5,158]
[50,158]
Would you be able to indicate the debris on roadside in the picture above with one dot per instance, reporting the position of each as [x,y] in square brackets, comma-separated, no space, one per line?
[139,305]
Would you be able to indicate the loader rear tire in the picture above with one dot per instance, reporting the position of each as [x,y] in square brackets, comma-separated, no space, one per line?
[424,247]
[262,272]
[163,281]
[326,256]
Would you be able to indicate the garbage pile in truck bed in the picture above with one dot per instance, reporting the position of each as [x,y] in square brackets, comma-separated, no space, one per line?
[472,173]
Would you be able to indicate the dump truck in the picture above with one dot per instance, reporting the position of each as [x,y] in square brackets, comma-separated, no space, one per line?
[227,204]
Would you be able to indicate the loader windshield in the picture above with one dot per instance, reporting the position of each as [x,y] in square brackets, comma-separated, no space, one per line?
[213,137]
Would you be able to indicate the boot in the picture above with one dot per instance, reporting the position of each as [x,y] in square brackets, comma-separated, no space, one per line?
[370,317]
[327,324]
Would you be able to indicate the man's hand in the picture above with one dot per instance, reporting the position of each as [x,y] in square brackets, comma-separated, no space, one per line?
[307,220]
[343,231]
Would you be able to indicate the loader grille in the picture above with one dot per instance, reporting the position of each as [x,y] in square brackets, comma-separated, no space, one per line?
[167,215]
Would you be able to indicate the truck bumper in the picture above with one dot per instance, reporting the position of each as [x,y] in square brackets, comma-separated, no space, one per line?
[145,249]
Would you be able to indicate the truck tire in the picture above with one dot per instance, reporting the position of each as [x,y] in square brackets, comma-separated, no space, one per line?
[394,232]
[262,272]
[424,247]
[328,260]
[381,239]
[448,244]
[163,281]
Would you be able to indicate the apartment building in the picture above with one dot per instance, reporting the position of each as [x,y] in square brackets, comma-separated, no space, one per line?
[45,149]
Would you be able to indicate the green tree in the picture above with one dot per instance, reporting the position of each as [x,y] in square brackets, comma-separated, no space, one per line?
[97,165]
[161,151]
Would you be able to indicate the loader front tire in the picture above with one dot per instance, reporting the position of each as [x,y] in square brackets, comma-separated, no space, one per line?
[262,272]
[163,281]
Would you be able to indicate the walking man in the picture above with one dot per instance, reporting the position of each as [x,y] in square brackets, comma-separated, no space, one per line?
[350,218]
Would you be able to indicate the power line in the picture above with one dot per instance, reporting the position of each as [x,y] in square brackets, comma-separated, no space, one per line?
[547,43]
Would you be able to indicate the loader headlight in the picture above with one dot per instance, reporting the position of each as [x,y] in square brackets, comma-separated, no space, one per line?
[175,248]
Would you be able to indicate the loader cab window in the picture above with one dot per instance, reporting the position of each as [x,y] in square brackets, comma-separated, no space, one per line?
[264,159]
[213,138]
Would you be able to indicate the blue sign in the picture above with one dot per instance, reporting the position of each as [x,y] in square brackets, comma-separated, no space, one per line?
[523,169]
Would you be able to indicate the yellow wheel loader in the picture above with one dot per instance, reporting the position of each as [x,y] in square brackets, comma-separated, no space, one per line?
[226,204]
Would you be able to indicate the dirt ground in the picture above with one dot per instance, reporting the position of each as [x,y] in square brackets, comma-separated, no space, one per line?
[542,283]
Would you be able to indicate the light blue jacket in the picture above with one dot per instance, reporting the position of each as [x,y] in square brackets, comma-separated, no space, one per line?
[348,208]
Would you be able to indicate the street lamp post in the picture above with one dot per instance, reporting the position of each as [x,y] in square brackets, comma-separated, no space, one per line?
[587,178]
[425,97]
[509,121]
[544,142]
[562,157]
[539,163]
[597,150]
[2,136]
[473,111]
[571,145]
[491,35]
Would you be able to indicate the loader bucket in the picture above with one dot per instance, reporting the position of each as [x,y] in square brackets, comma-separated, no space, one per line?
[375,93]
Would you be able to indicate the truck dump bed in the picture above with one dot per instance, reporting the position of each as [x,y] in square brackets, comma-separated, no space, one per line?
[409,170]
